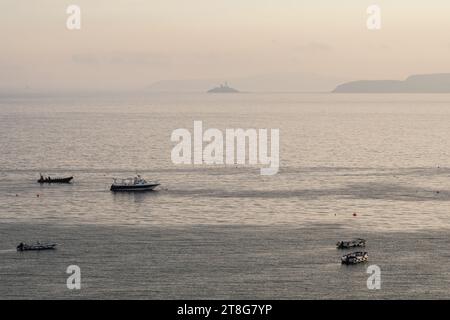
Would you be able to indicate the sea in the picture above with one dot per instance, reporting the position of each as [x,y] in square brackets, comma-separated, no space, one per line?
[351,166]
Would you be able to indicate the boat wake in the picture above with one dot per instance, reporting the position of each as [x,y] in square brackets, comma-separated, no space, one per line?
[7,251]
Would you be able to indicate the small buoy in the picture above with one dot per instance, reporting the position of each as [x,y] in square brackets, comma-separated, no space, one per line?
[17,195]
[37,195]
[438,192]
[354,214]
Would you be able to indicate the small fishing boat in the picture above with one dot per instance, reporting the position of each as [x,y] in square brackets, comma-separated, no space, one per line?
[133,184]
[355,257]
[54,180]
[351,244]
[36,247]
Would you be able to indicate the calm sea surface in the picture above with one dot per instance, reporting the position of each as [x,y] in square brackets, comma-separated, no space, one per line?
[226,231]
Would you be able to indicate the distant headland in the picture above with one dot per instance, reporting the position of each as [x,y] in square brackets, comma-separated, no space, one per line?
[223,88]
[427,83]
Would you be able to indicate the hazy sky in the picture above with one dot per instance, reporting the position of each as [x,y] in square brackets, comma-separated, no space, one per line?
[130,44]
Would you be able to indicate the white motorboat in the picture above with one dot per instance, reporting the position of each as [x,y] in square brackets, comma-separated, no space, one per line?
[133,184]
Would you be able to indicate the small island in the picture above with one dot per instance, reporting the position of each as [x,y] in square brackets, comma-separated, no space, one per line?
[223,88]
[424,83]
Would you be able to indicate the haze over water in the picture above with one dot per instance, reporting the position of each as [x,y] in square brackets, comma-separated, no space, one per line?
[81,94]
[383,157]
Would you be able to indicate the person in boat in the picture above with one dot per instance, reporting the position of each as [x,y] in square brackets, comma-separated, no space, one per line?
[20,246]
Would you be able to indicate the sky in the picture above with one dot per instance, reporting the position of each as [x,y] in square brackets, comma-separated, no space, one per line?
[130,44]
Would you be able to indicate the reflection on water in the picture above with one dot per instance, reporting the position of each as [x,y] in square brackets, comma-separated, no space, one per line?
[383,157]
[384,199]
[221,262]
[351,166]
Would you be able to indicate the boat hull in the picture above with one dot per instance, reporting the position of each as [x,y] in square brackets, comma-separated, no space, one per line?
[355,258]
[351,244]
[58,180]
[134,188]
[36,247]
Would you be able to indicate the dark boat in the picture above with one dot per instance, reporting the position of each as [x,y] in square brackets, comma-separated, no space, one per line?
[355,257]
[36,247]
[133,184]
[55,180]
[351,244]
